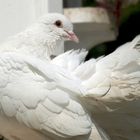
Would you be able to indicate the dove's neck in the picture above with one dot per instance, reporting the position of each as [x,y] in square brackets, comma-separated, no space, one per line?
[37,41]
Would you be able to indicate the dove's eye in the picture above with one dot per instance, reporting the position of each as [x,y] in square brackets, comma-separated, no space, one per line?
[58,23]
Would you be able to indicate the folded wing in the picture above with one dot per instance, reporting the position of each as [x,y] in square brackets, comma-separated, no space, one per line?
[41,97]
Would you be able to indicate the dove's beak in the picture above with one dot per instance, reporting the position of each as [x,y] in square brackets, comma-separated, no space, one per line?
[72,36]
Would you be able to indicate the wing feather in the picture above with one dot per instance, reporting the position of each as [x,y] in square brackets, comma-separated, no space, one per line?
[31,92]
[117,111]
[113,90]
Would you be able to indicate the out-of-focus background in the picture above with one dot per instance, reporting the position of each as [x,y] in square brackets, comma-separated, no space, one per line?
[102,25]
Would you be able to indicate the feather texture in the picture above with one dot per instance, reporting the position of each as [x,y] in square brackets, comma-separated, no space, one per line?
[113,90]
[36,99]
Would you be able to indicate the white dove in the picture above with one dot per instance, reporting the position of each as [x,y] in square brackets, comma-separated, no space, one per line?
[39,100]
[64,98]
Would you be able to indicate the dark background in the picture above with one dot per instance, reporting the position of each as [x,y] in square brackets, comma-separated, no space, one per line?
[128,28]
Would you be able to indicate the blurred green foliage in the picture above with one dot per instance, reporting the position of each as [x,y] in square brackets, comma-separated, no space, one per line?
[129,11]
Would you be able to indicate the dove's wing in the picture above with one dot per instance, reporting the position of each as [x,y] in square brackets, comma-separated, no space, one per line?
[115,88]
[41,96]
[119,72]
[118,111]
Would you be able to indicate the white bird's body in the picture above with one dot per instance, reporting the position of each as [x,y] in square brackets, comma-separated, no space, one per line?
[67,98]
[36,96]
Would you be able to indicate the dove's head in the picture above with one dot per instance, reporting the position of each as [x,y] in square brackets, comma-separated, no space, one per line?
[58,27]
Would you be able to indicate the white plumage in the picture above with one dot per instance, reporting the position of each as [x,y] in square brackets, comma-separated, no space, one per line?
[67,98]
[113,88]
